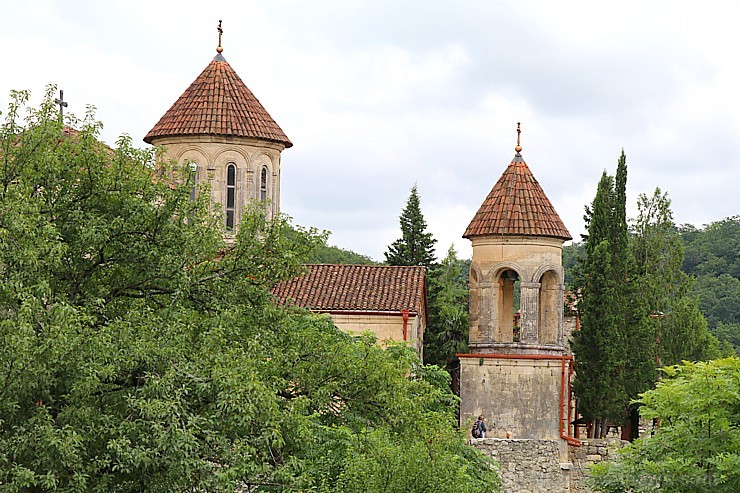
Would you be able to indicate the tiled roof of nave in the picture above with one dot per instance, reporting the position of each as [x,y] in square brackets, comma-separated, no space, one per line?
[371,288]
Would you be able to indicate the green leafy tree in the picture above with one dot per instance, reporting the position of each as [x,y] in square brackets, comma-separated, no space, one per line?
[681,330]
[658,252]
[729,337]
[596,345]
[697,446]
[141,353]
[416,245]
[447,330]
[713,249]
[638,334]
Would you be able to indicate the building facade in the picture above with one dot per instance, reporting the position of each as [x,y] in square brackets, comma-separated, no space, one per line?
[220,132]
[388,301]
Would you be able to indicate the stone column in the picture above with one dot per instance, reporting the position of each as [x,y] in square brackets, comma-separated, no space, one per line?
[486,301]
[561,308]
[529,306]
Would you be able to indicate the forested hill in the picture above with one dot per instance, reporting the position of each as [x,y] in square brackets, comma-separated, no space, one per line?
[712,257]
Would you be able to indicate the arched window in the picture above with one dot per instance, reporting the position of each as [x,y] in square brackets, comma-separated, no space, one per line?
[230,195]
[263,184]
[193,179]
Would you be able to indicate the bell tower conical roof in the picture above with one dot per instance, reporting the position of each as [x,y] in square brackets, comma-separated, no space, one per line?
[517,205]
[218,103]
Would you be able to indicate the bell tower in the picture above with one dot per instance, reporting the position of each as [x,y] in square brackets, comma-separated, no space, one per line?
[513,374]
[221,131]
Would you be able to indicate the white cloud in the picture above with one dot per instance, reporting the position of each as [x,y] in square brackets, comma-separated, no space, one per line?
[379,95]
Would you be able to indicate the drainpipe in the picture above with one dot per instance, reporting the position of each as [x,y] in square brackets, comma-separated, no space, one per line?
[570,403]
[405,315]
[565,433]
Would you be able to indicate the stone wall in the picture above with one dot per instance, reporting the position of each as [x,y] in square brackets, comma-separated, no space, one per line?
[590,452]
[384,326]
[534,466]
[213,154]
[526,466]
[521,397]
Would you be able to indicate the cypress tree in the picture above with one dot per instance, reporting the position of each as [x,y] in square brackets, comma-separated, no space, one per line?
[416,246]
[596,345]
[621,314]
[637,348]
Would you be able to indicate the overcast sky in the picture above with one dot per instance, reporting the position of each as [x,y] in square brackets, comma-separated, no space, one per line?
[378,95]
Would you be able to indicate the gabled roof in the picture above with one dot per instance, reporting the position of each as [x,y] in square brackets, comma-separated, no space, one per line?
[517,205]
[356,288]
[218,103]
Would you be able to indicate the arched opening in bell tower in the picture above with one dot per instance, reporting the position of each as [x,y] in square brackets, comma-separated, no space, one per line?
[549,307]
[506,309]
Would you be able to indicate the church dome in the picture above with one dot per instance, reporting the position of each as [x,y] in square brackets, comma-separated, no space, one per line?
[218,103]
[517,206]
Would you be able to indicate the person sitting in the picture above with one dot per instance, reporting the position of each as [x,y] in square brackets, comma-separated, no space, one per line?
[479,428]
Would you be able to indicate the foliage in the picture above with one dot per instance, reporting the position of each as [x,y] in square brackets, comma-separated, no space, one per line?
[572,255]
[711,256]
[416,246]
[729,337]
[447,329]
[658,251]
[140,353]
[697,447]
[713,249]
[323,253]
[648,314]
[613,349]
[680,328]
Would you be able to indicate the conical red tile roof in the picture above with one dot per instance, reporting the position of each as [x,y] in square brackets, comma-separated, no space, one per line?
[517,205]
[218,103]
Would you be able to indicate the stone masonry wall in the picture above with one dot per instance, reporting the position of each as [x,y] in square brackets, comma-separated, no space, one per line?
[526,466]
[590,452]
[535,466]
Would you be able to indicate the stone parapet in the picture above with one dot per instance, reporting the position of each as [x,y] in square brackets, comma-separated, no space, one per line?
[535,466]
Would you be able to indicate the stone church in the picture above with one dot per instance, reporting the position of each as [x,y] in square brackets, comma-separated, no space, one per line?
[518,371]
[220,130]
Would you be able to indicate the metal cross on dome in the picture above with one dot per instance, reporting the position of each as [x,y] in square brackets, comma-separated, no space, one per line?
[518,147]
[220,33]
[62,104]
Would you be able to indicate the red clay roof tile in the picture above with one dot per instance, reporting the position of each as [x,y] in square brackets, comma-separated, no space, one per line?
[357,288]
[517,205]
[218,103]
